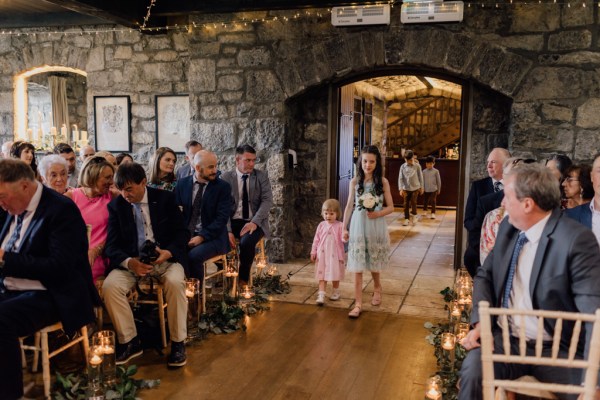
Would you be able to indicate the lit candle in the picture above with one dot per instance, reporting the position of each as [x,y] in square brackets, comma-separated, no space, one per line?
[189,293]
[107,349]
[75,134]
[448,341]
[247,293]
[433,388]
[95,360]
[455,310]
[433,393]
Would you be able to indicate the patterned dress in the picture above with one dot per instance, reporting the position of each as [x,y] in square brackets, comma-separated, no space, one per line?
[329,250]
[369,244]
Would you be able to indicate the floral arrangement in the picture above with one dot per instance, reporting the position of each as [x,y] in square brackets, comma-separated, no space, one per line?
[368,201]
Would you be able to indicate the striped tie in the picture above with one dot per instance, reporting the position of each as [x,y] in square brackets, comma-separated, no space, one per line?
[11,244]
[522,239]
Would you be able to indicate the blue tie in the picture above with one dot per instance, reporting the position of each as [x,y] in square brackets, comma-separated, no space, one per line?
[498,186]
[10,245]
[521,240]
[139,224]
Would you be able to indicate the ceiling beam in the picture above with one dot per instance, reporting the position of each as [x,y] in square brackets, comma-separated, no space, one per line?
[175,7]
[129,13]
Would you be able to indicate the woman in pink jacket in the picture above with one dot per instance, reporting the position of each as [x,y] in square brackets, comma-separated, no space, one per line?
[328,251]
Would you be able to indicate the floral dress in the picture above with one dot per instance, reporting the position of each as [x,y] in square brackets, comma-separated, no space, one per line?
[369,244]
[489,229]
[164,185]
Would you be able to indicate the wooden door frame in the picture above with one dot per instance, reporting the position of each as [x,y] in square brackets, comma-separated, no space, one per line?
[465,139]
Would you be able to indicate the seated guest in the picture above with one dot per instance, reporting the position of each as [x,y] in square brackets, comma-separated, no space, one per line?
[53,171]
[162,169]
[138,215]
[108,156]
[92,198]
[588,214]
[85,152]
[66,152]
[44,277]
[253,200]
[123,157]
[541,260]
[6,146]
[24,151]
[206,204]
[577,185]
[187,169]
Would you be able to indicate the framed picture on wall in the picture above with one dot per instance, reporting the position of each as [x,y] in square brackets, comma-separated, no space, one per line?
[173,121]
[112,119]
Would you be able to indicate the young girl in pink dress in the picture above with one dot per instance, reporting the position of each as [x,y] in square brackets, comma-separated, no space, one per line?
[328,251]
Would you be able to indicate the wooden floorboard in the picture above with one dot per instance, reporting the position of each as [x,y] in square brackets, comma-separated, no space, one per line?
[298,352]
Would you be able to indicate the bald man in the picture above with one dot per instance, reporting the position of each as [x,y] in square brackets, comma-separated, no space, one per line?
[493,183]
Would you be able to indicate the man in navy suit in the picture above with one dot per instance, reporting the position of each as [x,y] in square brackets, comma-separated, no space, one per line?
[491,184]
[206,204]
[251,224]
[541,260]
[142,213]
[187,169]
[45,276]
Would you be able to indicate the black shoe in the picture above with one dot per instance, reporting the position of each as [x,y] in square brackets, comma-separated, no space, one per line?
[129,350]
[177,357]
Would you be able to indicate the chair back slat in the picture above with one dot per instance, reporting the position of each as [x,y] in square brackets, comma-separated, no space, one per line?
[574,340]
[590,365]
[556,338]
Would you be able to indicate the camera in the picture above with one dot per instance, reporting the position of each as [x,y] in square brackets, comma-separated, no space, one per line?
[148,253]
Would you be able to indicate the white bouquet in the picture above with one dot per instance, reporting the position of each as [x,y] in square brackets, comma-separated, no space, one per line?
[368,201]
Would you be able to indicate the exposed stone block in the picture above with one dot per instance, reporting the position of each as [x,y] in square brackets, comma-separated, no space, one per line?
[276,167]
[553,112]
[511,72]
[544,137]
[157,43]
[263,86]
[162,71]
[570,40]
[122,53]
[588,115]
[230,97]
[315,132]
[336,54]
[237,38]
[230,82]
[201,75]
[166,55]
[546,83]
[535,18]
[488,63]
[586,145]
[259,56]
[577,15]
[128,37]
[213,112]
[95,59]
[142,111]
[216,136]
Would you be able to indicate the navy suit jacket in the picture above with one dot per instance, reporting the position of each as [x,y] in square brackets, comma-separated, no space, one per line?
[479,189]
[169,230]
[54,250]
[564,277]
[581,214]
[214,212]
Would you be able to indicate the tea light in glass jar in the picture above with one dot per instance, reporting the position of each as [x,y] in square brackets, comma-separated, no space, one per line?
[448,341]
[432,390]
[462,330]
[247,293]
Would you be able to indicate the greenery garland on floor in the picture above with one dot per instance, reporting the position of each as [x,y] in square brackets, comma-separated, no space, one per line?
[448,364]
[225,316]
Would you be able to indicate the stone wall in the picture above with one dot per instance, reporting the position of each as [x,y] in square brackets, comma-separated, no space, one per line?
[534,70]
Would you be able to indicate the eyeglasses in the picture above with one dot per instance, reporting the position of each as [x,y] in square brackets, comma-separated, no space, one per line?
[571,179]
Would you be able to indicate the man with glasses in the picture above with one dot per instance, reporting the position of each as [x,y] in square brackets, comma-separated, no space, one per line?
[253,199]
[493,183]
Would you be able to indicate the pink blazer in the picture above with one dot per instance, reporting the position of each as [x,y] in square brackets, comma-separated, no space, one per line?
[322,230]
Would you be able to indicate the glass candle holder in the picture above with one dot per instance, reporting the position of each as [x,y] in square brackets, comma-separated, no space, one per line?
[433,389]
[247,293]
[94,371]
[104,342]
[192,294]
[448,340]
[462,329]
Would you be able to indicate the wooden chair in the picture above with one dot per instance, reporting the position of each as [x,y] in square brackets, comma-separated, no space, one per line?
[134,299]
[488,358]
[40,345]
[222,258]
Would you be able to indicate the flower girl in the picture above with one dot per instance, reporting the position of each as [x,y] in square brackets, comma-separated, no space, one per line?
[369,242]
[328,250]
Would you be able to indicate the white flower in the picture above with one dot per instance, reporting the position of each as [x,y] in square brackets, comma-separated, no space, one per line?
[369,201]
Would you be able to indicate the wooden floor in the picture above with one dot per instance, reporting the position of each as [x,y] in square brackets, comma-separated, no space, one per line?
[298,350]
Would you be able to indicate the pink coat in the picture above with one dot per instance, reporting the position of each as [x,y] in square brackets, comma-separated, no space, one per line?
[322,230]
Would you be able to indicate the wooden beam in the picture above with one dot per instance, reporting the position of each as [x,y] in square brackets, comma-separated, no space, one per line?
[129,13]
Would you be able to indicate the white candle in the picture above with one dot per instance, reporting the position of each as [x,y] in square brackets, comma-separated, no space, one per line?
[95,360]
[75,134]
[63,131]
[84,136]
[29,134]
[53,131]
[107,349]
[433,393]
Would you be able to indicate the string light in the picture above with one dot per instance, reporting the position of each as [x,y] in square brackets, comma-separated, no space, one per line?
[147,17]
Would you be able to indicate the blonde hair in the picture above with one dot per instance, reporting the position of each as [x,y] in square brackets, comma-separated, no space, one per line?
[332,205]
[91,169]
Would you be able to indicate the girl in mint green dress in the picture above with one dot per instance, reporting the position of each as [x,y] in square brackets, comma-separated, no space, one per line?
[369,201]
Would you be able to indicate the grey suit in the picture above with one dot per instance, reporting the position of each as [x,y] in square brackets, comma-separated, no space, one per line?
[260,199]
[565,277]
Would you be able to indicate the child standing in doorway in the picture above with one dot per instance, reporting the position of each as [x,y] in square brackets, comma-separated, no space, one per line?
[328,251]
[369,201]
[432,184]
[410,183]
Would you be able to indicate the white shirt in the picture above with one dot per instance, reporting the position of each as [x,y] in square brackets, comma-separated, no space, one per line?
[10,282]
[595,221]
[238,211]
[520,297]
[148,232]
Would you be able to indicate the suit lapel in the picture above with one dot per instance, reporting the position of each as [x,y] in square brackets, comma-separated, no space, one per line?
[36,219]
[505,259]
[541,250]
[7,222]
[587,216]
[153,208]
